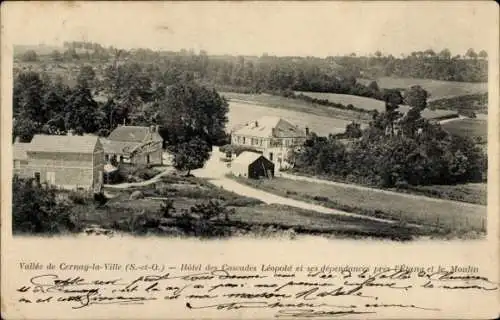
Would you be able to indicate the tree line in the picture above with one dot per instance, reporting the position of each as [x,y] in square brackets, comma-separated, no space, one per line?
[395,150]
[271,73]
[191,117]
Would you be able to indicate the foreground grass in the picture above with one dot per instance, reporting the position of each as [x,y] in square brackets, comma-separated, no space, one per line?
[473,193]
[452,216]
[250,217]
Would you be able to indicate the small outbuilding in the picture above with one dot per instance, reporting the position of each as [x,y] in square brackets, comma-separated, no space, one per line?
[252,165]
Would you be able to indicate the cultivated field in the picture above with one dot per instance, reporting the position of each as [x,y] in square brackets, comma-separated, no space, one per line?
[372,104]
[256,106]
[457,216]
[468,128]
[438,89]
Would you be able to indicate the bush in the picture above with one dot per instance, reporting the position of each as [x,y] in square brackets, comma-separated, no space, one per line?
[243,202]
[208,219]
[78,197]
[36,210]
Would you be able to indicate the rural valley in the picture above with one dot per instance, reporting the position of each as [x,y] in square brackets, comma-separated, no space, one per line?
[188,144]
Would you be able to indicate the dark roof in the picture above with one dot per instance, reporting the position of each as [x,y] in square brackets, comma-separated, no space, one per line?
[132,134]
[118,147]
[67,144]
[247,158]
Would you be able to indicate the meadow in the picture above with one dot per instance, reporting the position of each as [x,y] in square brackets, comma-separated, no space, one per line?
[437,89]
[245,107]
[373,104]
[471,128]
[454,216]
[251,216]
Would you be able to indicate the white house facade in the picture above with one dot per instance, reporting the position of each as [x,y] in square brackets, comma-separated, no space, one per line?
[273,136]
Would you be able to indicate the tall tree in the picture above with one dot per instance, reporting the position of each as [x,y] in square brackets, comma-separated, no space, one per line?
[191,155]
[416,97]
[188,111]
[81,112]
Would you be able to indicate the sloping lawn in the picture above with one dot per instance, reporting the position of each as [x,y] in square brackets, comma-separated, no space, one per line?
[434,212]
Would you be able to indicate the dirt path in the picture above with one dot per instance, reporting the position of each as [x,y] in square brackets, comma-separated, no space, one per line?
[215,171]
[452,119]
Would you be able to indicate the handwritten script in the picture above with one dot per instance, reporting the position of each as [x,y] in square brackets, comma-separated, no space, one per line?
[285,294]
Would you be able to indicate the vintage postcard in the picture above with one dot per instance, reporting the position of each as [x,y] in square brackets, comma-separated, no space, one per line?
[249,160]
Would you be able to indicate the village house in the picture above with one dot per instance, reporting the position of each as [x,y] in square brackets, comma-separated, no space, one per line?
[66,162]
[273,136]
[252,165]
[134,144]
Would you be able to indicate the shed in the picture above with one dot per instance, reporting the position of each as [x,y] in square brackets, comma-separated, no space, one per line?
[252,165]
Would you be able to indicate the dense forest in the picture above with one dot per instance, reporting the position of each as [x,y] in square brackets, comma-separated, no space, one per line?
[264,73]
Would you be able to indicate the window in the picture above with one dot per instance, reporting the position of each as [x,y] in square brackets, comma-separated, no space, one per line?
[17,164]
[106,157]
[121,159]
[147,159]
[243,140]
[271,156]
[37,177]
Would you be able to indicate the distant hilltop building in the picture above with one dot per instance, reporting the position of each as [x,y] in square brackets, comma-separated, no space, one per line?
[66,162]
[273,136]
[134,144]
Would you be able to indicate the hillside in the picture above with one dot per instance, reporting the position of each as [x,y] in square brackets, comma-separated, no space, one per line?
[437,89]
[373,104]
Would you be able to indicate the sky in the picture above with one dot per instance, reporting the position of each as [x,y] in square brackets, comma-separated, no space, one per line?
[305,28]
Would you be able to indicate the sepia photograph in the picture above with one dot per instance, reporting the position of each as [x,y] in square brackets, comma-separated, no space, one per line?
[211,123]
[145,140]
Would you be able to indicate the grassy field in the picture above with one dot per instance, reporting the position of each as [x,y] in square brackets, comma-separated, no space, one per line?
[469,192]
[437,89]
[251,217]
[320,119]
[468,128]
[454,216]
[372,104]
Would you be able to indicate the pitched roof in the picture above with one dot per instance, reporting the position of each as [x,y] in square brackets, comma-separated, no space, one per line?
[19,151]
[68,144]
[247,158]
[118,147]
[268,126]
[132,134]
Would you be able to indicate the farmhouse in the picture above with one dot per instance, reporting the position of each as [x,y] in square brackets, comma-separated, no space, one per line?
[134,144]
[273,136]
[252,165]
[67,162]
